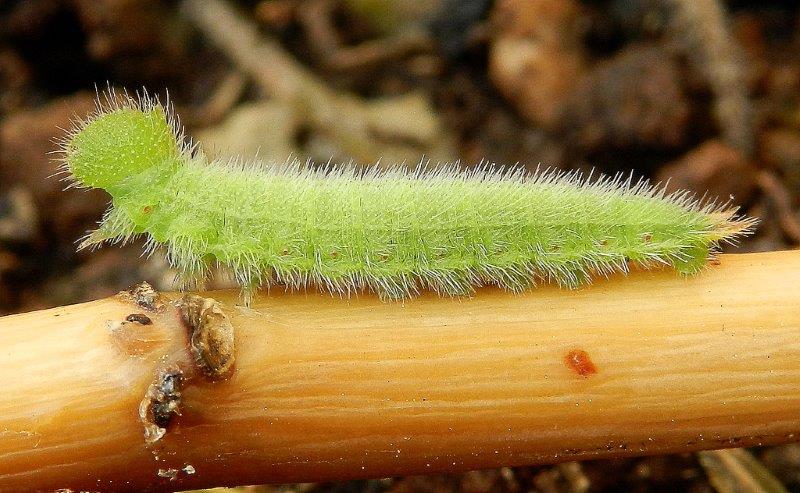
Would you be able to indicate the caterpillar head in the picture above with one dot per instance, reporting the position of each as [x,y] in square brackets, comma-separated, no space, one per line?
[121,141]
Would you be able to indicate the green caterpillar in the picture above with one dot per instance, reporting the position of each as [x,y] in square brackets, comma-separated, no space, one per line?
[393,231]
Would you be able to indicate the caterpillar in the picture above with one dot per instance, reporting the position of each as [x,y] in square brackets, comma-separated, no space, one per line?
[394,231]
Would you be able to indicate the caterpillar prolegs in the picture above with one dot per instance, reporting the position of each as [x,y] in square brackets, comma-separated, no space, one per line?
[393,231]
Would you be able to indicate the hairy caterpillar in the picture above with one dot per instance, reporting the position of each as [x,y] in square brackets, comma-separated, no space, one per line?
[393,231]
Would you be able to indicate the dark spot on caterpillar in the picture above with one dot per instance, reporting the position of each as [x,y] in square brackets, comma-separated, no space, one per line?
[334,254]
[147,209]
[647,237]
[139,318]
[210,335]
[578,361]
[602,243]
[383,256]
[145,295]
[285,251]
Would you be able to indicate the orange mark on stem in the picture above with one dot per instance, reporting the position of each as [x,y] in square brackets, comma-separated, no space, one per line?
[578,361]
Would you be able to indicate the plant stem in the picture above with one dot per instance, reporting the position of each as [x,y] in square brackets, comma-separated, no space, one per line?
[325,388]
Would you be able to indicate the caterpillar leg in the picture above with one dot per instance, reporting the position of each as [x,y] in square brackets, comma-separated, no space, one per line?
[691,260]
[113,228]
[192,270]
[190,281]
[94,239]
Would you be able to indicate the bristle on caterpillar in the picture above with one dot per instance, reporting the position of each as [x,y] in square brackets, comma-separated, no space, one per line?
[393,231]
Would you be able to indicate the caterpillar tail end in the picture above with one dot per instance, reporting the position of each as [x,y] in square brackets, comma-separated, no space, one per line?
[728,225]
[725,226]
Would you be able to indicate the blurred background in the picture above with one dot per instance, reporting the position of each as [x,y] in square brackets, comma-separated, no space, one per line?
[705,93]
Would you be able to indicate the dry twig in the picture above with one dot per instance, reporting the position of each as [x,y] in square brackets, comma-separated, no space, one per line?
[325,388]
[703,24]
[343,116]
[781,200]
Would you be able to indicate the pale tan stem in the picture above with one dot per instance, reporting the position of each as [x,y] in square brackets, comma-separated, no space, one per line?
[325,388]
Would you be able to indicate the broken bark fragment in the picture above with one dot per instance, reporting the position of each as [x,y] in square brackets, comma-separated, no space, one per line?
[161,403]
[145,295]
[211,335]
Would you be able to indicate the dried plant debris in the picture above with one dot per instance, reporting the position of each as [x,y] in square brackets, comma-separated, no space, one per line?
[19,221]
[714,168]
[209,352]
[703,28]
[173,473]
[737,471]
[536,58]
[210,334]
[161,403]
[145,296]
[139,318]
[633,99]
